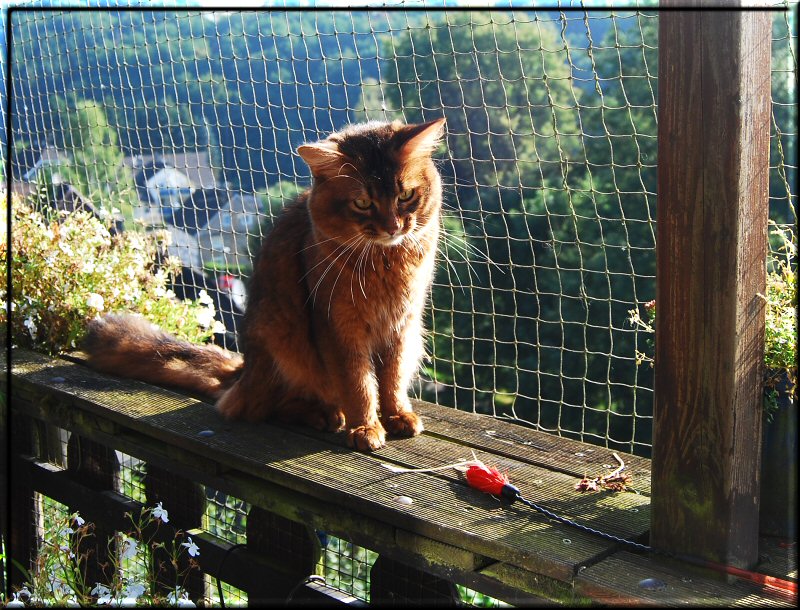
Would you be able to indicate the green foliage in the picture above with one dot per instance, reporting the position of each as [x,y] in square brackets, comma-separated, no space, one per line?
[68,269]
[780,351]
[80,128]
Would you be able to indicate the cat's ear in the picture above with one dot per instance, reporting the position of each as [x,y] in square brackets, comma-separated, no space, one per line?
[420,140]
[323,158]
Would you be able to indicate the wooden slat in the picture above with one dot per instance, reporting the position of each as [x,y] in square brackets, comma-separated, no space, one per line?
[713,137]
[539,448]
[620,580]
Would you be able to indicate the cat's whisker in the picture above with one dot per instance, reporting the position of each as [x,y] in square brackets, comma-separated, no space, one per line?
[341,249]
[342,245]
[316,243]
[455,272]
[353,250]
[359,261]
[355,169]
[347,176]
[468,249]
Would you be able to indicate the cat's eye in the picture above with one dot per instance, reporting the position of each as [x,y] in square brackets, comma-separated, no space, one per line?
[405,195]
[362,204]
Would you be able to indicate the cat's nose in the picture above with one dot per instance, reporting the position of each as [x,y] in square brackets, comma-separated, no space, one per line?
[391,228]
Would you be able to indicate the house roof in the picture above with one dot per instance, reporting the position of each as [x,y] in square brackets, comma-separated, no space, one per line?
[26,163]
[199,209]
[195,164]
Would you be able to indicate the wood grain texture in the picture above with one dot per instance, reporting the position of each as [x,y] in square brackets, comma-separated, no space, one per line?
[713,130]
[617,581]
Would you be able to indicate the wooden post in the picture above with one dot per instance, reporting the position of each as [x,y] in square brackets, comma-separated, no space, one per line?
[393,583]
[291,546]
[21,545]
[713,161]
[185,502]
[97,467]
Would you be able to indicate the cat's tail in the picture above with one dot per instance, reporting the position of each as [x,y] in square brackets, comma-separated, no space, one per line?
[130,346]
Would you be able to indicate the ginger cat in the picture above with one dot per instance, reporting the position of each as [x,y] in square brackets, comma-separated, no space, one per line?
[333,328]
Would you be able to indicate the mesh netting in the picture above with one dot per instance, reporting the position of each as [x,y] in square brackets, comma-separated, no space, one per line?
[189,121]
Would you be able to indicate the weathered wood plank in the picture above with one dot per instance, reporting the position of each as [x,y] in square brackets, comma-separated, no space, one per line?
[20,501]
[778,557]
[97,467]
[624,514]
[502,438]
[713,136]
[618,581]
[538,448]
[437,558]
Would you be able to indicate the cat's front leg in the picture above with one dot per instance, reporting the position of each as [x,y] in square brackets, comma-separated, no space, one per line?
[394,368]
[360,404]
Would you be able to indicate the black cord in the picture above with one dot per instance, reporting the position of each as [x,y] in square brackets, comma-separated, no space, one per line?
[585,528]
[232,548]
[512,493]
[303,582]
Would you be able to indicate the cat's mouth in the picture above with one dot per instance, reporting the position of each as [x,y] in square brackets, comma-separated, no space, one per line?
[389,240]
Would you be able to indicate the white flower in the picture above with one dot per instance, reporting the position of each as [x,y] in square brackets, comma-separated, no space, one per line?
[180,598]
[134,590]
[193,549]
[15,603]
[204,317]
[160,513]
[103,594]
[129,547]
[78,519]
[31,326]
[95,301]
[66,249]
[65,548]
[100,590]
[217,327]
[205,299]
[88,267]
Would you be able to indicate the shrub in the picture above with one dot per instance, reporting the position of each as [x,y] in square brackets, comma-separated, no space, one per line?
[67,269]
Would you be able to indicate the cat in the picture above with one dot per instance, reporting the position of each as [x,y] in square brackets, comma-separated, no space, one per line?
[333,328]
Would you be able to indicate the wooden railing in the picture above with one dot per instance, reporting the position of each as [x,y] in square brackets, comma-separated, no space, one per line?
[430,530]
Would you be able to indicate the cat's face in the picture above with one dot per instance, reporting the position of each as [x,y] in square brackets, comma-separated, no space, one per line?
[374,183]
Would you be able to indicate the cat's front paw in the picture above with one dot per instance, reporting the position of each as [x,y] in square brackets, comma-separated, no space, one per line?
[366,438]
[326,419]
[404,423]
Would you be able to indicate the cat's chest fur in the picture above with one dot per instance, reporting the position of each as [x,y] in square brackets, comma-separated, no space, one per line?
[370,296]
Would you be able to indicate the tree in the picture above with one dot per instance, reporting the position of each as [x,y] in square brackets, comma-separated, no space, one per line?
[80,128]
[537,333]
